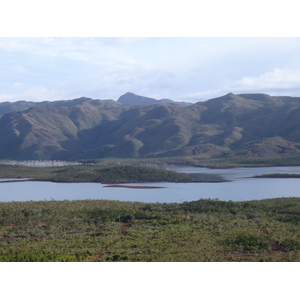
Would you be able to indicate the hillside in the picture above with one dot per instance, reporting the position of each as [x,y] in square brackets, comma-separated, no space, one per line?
[196,231]
[243,126]
[133,99]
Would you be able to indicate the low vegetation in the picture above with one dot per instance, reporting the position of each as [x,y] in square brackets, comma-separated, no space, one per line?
[106,231]
[109,174]
[217,162]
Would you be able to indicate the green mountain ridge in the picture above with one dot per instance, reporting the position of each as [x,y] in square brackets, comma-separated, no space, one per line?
[245,125]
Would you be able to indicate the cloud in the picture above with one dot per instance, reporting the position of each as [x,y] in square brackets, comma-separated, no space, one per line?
[190,69]
[200,96]
[278,82]
[21,91]
[278,79]
[112,84]
[39,93]
[124,41]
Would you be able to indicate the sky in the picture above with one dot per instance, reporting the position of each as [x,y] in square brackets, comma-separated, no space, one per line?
[183,54]
[179,68]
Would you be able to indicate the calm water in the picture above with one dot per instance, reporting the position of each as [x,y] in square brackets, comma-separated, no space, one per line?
[239,188]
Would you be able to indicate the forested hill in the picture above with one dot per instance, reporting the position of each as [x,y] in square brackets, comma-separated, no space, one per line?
[246,125]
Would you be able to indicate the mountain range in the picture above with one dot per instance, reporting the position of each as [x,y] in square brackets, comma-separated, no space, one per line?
[244,125]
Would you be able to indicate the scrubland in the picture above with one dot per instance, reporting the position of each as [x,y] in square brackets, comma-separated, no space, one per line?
[106,231]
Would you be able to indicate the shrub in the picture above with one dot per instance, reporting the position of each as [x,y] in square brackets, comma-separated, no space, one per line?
[246,242]
[290,245]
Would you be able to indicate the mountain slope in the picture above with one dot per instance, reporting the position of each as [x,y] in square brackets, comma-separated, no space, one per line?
[50,131]
[133,99]
[247,125]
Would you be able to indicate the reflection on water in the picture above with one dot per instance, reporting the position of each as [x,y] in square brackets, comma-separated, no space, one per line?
[238,187]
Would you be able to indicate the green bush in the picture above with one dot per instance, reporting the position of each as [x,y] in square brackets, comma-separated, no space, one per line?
[290,244]
[246,242]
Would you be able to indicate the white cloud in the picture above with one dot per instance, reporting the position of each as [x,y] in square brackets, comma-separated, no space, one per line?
[20,91]
[200,96]
[176,68]
[278,79]
[39,93]
[124,41]
[276,83]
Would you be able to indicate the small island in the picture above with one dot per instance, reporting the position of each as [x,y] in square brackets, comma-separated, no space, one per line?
[278,175]
[95,173]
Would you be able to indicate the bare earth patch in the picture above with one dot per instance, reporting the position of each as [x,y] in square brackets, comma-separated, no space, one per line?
[134,186]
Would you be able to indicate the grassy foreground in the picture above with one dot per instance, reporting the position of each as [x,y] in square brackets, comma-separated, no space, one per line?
[105,231]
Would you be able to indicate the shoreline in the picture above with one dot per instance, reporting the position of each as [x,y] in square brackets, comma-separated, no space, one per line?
[7,180]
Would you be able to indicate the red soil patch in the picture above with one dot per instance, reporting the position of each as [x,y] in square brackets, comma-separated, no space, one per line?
[134,186]
[123,227]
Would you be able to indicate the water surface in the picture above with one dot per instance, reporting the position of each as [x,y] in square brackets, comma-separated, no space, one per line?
[240,186]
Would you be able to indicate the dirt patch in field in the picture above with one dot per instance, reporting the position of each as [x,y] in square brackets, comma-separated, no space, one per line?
[123,227]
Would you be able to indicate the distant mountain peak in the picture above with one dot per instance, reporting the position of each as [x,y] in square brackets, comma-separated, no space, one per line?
[133,99]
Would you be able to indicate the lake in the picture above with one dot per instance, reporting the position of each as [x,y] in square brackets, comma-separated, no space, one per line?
[239,187]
